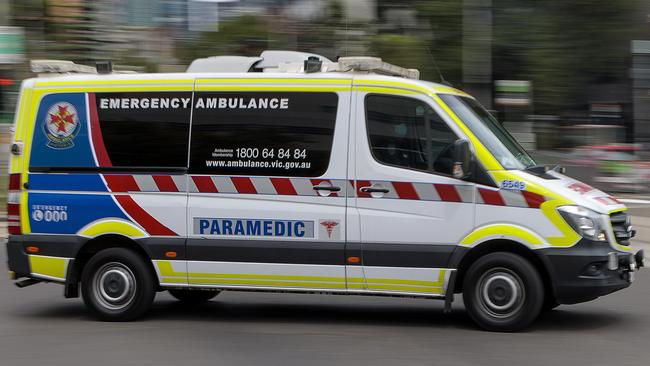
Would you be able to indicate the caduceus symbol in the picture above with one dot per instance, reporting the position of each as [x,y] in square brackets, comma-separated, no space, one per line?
[329,226]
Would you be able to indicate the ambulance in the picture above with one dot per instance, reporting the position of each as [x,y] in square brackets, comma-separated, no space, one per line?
[289,172]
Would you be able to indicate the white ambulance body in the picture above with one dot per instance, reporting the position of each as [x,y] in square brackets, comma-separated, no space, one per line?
[289,172]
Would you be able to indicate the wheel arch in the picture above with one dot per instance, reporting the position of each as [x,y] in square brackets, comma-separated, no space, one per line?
[464,257]
[92,247]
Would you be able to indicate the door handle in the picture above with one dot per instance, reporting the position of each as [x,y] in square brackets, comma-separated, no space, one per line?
[327,188]
[373,189]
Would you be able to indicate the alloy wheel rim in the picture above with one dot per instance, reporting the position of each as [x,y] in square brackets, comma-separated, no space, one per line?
[114,286]
[501,292]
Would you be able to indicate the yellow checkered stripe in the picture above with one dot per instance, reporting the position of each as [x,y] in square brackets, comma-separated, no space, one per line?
[52,268]
[169,276]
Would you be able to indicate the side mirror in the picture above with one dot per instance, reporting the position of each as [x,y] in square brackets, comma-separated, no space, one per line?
[462,159]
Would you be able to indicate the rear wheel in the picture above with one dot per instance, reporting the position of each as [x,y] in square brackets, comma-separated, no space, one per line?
[503,292]
[193,296]
[117,285]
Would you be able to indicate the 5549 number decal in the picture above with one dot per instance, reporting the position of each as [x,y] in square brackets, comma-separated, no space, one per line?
[515,185]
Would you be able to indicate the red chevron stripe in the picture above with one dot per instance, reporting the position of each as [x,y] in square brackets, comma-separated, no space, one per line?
[283,186]
[204,184]
[491,197]
[405,190]
[121,183]
[533,200]
[165,183]
[148,222]
[243,185]
[447,192]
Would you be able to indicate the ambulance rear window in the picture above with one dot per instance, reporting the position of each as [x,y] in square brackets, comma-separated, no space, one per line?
[145,129]
[115,131]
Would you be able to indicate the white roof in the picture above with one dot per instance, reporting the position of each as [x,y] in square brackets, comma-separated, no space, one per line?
[270,64]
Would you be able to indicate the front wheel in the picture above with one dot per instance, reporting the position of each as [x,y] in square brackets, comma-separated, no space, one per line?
[503,292]
[550,304]
[117,285]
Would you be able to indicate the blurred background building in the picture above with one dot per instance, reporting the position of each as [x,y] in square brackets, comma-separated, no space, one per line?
[558,74]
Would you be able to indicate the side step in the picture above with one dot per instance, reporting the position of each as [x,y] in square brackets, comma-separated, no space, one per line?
[26,282]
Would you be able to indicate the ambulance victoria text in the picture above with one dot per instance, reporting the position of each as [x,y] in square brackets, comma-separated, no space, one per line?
[352,178]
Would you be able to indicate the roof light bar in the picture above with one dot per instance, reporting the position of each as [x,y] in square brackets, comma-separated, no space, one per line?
[299,62]
[377,65]
[60,67]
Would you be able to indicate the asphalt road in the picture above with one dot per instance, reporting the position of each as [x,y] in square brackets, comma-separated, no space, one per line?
[39,327]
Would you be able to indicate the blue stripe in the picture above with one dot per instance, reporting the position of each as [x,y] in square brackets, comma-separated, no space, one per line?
[66,182]
[59,213]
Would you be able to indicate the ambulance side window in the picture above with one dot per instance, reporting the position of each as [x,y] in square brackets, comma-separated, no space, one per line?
[407,133]
[262,133]
[144,129]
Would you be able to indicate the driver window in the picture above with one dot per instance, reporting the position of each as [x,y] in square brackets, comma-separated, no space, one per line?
[407,133]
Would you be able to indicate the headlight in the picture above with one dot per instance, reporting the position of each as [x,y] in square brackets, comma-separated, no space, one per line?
[584,221]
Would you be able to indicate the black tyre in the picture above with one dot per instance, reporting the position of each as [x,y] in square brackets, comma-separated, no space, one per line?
[117,285]
[193,296]
[550,303]
[503,292]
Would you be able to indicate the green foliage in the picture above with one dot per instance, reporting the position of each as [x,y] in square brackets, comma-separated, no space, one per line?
[244,36]
[405,51]
[445,41]
[323,32]
[565,47]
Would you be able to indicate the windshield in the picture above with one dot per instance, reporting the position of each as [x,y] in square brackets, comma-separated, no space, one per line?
[490,132]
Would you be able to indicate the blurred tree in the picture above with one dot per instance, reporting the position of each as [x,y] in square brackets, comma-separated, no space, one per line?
[30,15]
[445,41]
[565,47]
[406,51]
[332,34]
[243,36]
[322,34]
[69,30]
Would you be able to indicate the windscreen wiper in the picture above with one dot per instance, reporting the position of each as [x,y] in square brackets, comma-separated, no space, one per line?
[541,170]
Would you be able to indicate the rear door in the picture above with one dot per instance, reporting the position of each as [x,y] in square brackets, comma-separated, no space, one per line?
[110,161]
[267,183]
[409,209]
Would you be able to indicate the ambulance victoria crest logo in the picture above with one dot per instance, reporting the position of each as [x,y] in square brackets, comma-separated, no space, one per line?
[61,125]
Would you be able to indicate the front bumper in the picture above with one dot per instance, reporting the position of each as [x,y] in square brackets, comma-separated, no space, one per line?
[589,270]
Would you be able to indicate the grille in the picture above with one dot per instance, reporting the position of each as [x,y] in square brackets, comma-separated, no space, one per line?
[622,227]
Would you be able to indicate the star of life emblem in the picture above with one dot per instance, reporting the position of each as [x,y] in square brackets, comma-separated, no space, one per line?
[61,125]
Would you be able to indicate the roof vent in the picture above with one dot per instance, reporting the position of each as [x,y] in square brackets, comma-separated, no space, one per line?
[273,59]
[223,64]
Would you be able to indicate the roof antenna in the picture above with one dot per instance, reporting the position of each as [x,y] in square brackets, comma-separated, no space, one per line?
[347,32]
[435,64]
